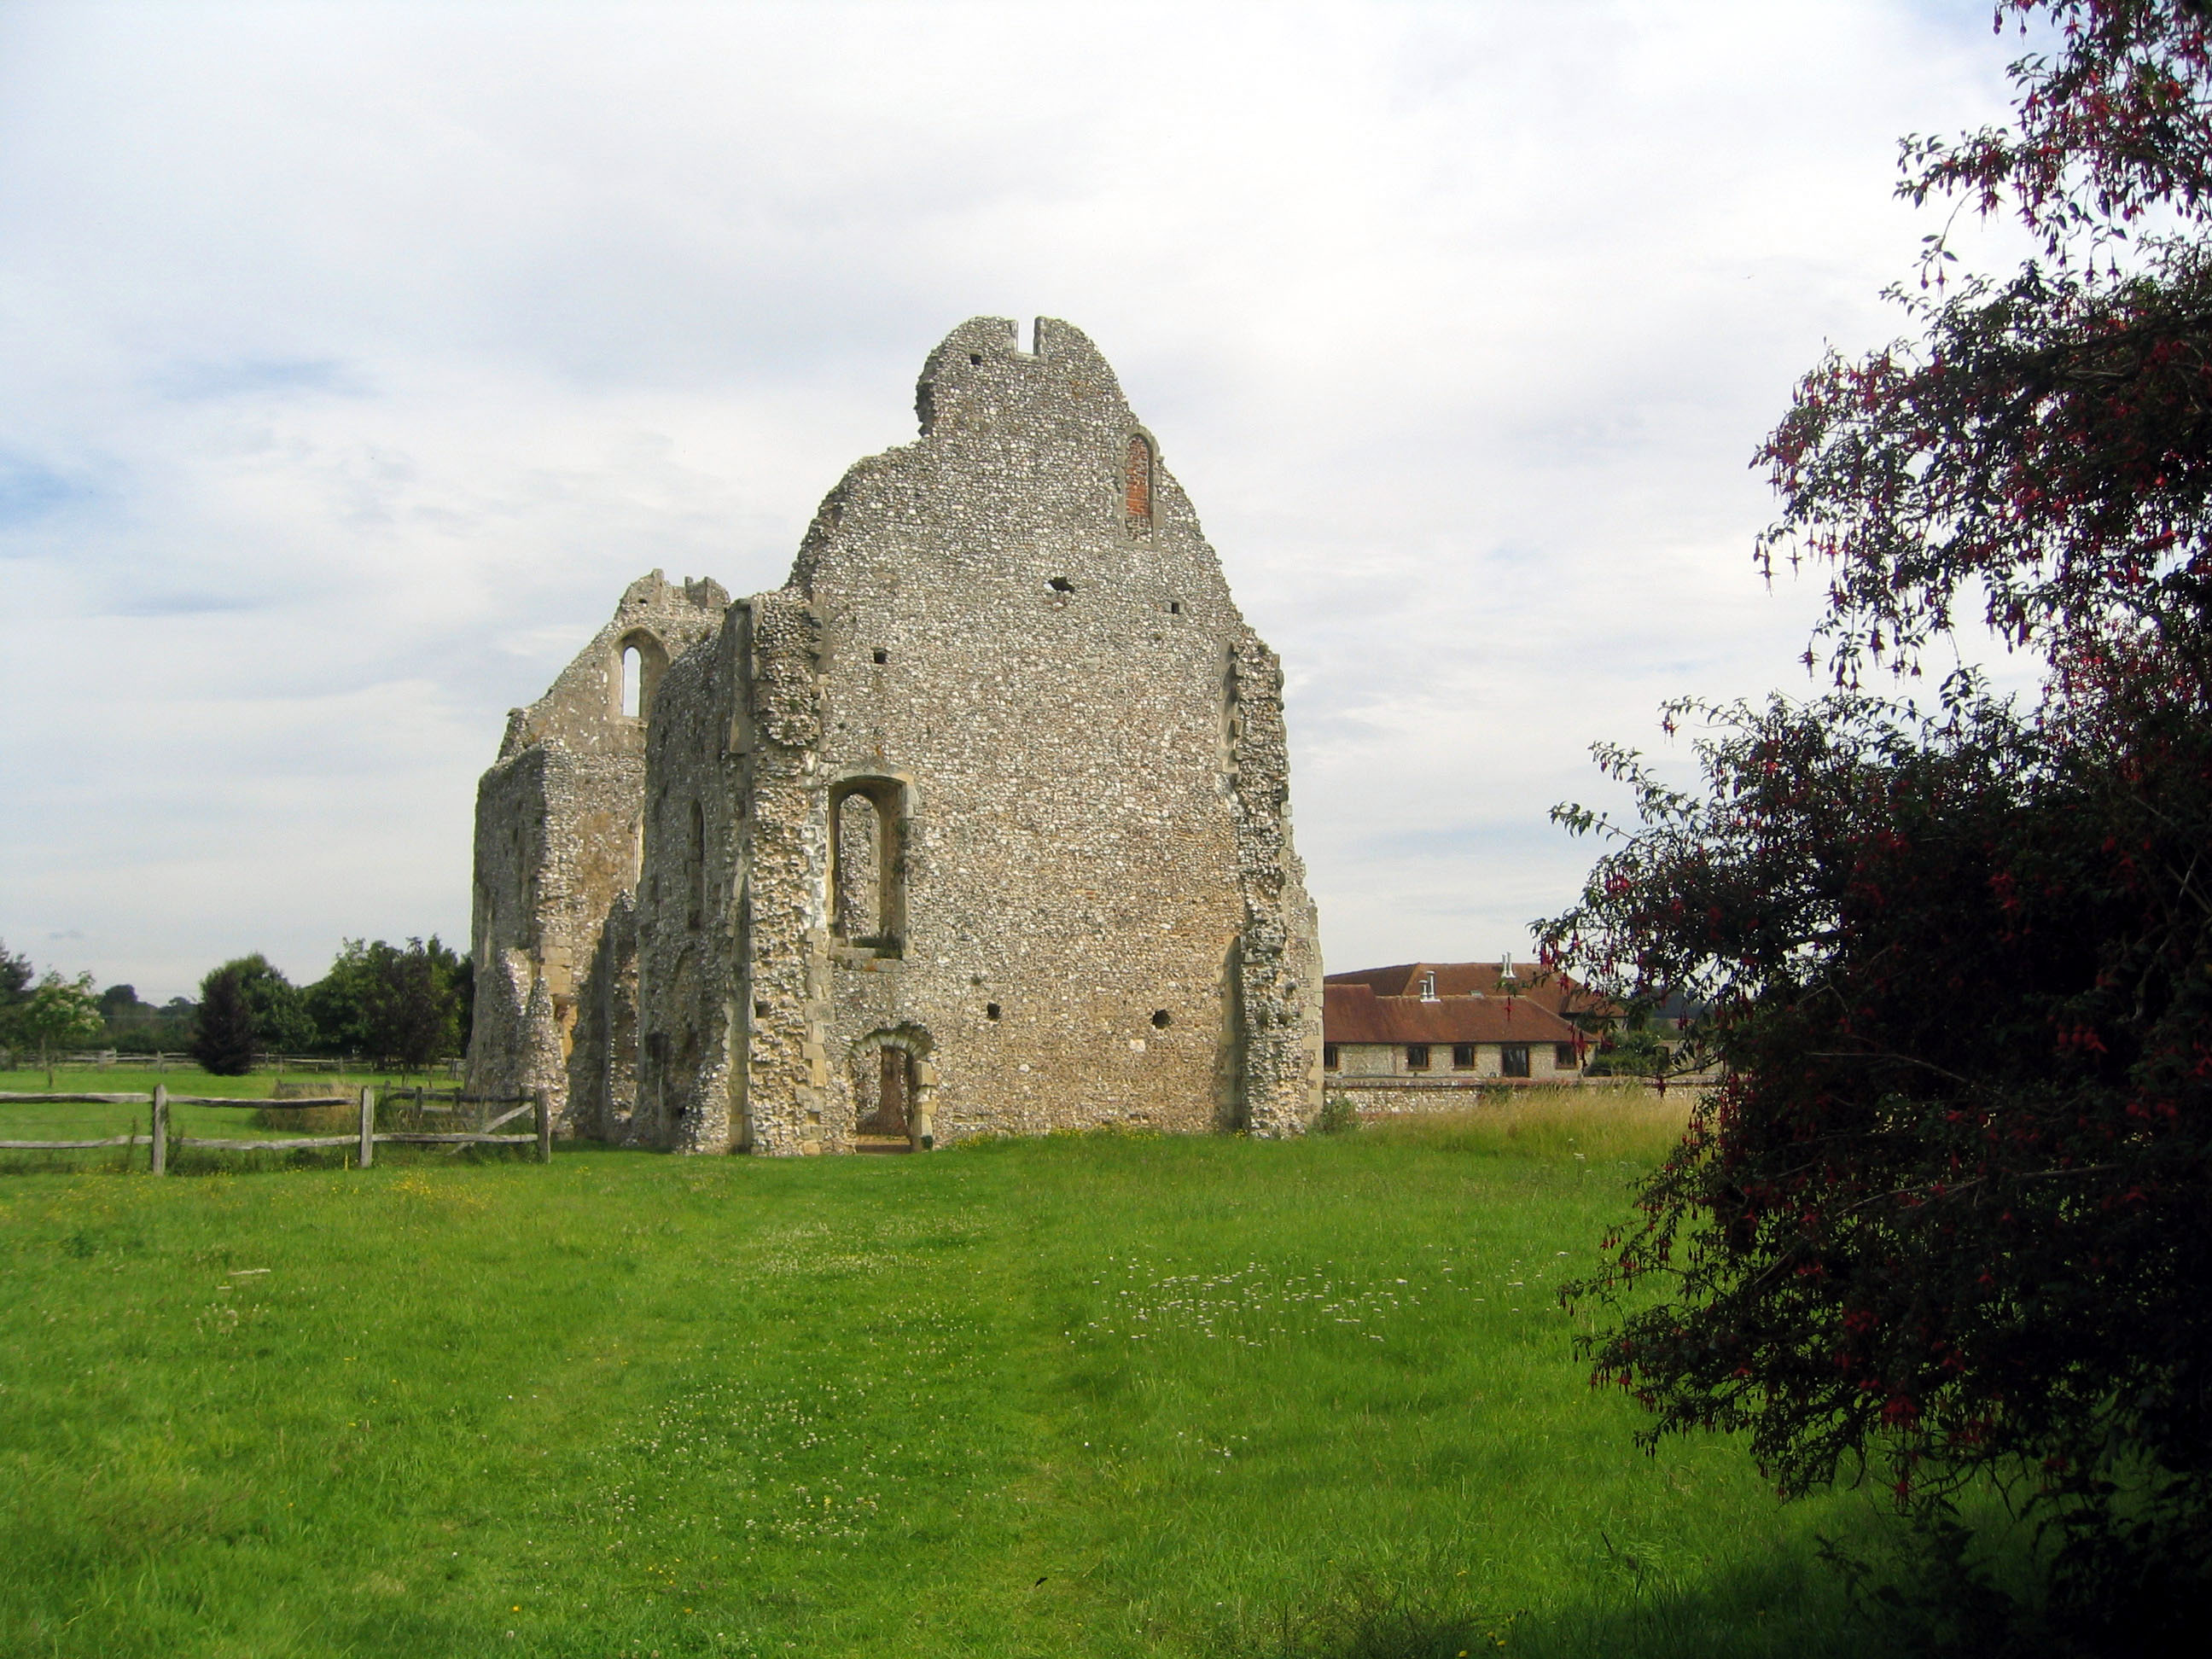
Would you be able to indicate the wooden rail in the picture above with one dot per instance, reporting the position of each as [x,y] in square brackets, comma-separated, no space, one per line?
[364,1141]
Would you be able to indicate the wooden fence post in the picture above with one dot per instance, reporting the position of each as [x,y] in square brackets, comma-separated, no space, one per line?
[159,1127]
[367,1126]
[544,1128]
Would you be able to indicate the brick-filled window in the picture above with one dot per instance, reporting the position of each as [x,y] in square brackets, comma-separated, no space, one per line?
[1138,496]
[1416,1056]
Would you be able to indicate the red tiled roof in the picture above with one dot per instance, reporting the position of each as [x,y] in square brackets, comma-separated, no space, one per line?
[1542,986]
[1353,1013]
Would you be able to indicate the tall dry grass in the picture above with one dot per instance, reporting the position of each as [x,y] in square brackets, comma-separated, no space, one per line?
[1595,1121]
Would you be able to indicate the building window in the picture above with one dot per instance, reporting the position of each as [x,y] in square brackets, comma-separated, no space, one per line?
[867,864]
[1564,1058]
[1513,1059]
[1416,1056]
[640,659]
[1328,1057]
[1462,1056]
[1137,498]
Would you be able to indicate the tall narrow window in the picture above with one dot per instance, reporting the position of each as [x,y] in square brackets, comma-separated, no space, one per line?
[867,864]
[860,881]
[633,671]
[642,658]
[1139,492]
[698,865]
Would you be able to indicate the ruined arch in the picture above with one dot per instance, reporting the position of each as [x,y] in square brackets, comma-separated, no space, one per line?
[867,864]
[631,685]
[891,1085]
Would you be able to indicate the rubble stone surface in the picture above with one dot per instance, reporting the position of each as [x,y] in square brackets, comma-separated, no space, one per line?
[558,823]
[980,823]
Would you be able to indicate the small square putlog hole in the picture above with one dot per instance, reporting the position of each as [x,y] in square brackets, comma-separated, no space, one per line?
[1162,1019]
[990,1010]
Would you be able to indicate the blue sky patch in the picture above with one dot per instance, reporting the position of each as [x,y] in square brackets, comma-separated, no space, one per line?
[30,491]
[199,382]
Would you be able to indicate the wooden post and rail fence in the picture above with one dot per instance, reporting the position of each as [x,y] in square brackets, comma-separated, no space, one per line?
[364,1141]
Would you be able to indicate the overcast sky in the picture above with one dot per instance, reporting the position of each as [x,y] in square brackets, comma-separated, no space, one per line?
[356,356]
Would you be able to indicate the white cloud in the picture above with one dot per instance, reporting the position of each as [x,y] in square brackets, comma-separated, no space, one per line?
[359,354]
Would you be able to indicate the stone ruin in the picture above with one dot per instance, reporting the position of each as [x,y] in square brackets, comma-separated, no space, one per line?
[559,823]
[979,823]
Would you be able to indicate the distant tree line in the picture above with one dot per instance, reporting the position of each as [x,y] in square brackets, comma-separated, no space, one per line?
[403,1006]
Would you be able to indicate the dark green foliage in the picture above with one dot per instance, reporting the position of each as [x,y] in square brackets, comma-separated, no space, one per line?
[403,1005]
[282,1024]
[1952,1210]
[15,975]
[141,1026]
[1635,1051]
[1954,1205]
[55,1014]
[224,1040]
[1337,1116]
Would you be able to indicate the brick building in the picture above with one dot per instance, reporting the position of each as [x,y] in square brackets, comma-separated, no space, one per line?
[1404,1037]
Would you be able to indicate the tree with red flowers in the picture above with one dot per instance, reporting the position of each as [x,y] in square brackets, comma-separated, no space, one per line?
[1951,1214]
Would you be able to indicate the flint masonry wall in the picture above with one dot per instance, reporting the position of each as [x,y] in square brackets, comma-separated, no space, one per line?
[556,852]
[996,783]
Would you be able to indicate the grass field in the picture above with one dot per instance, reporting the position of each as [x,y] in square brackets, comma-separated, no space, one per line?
[1085,1395]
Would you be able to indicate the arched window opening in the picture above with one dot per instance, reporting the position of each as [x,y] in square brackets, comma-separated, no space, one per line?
[867,865]
[860,881]
[641,660]
[1138,498]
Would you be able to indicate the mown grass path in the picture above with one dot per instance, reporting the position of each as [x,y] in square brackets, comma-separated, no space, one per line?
[1096,1395]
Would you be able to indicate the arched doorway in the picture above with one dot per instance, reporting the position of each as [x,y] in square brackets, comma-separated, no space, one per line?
[888,1079]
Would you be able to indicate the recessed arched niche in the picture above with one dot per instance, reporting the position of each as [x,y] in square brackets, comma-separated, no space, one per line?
[1137,480]
[867,865]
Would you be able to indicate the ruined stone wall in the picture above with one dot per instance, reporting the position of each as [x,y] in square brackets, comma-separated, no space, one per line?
[731,988]
[1011,639]
[557,846]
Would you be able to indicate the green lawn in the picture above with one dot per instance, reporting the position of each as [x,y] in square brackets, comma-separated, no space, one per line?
[1077,1396]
